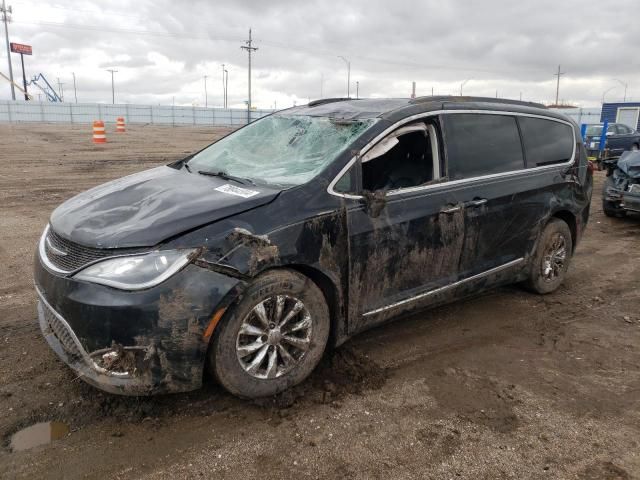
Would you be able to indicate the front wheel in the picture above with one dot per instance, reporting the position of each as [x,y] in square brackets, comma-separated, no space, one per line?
[551,258]
[274,336]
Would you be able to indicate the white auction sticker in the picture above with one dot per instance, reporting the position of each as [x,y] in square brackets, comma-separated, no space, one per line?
[237,191]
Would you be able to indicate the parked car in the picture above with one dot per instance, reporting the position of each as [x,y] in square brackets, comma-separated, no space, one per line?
[621,190]
[620,138]
[302,229]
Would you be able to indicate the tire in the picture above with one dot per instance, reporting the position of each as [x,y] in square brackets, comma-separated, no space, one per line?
[233,355]
[549,265]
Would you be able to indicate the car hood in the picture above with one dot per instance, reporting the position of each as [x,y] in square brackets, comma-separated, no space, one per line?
[144,209]
[629,163]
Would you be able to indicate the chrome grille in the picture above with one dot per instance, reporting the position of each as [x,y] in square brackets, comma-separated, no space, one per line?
[61,331]
[69,256]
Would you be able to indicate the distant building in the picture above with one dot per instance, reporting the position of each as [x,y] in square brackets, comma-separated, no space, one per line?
[627,113]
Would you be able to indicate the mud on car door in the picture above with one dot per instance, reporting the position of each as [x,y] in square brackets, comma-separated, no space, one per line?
[404,238]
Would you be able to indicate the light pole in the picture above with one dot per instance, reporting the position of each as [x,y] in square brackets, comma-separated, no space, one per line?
[625,85]
[348,75]
[75,92]
[206,98]
[113,91]
[463,84]
[607,91]
[226,87]
[5,17]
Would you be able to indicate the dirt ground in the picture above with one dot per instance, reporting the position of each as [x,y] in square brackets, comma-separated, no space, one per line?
[509,385]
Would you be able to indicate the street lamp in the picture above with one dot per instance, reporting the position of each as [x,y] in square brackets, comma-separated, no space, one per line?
[113,92]
[607,91]
[463,84]
[625,85]
[348,75]
[206,97]
[226,88]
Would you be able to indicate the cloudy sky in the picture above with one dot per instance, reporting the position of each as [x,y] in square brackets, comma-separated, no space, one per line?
[162,49]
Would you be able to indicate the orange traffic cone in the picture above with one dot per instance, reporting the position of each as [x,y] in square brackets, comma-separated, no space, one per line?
[99,135]
[120,125]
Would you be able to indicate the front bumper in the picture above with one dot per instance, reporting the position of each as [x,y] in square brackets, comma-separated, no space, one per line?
[157,337]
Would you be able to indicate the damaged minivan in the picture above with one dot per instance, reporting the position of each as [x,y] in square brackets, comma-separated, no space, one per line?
[251,257]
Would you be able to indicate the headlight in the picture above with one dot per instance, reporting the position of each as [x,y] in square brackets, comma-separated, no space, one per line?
[136,272]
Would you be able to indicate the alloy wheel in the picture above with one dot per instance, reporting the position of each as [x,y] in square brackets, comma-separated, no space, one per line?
[274,337]
[554,258]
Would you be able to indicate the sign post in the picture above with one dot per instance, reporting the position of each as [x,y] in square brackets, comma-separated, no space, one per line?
[22,50]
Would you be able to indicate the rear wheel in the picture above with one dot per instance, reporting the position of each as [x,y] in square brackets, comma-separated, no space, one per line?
[551,259]
[273,338]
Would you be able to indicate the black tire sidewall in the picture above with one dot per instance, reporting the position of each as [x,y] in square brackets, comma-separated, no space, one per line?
[222,358]
[536,280]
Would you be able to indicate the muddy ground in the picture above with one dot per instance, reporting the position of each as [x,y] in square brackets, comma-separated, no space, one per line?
[509,385]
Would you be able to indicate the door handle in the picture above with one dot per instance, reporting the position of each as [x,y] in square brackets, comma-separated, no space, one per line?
[450,210]
[476,203]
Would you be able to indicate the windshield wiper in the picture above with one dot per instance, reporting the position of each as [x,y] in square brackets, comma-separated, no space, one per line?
[186,166]
[226,176]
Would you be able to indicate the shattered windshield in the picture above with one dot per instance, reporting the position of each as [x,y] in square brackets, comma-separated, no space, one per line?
[283,150]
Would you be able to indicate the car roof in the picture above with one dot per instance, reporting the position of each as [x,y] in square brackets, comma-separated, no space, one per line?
[395,109]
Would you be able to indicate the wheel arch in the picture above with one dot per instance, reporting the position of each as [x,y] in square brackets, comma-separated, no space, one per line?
[570,219]
[331,295]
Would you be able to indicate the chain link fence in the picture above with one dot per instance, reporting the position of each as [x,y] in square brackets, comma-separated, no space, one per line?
[19,112]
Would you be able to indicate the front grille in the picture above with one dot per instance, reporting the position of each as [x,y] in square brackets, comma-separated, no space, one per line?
[61,331]
[70,256]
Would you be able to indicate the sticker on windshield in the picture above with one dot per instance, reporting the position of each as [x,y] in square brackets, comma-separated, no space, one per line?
[237,191]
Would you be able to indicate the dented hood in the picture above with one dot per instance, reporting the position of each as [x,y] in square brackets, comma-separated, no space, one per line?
[629,163]
[144,209]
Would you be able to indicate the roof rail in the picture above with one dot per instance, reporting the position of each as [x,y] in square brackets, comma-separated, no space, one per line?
[457,99]
[322,101]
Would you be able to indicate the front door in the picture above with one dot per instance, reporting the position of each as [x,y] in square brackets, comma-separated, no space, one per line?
[405,237]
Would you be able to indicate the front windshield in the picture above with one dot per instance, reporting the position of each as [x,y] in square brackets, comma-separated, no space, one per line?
[594,130]
[283,150]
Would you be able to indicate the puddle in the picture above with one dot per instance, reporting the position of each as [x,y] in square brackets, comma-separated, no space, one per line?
[38,434]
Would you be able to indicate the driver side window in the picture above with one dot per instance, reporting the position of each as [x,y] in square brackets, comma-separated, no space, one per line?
[405,158]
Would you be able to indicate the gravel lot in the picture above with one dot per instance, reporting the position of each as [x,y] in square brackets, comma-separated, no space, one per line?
[509,385]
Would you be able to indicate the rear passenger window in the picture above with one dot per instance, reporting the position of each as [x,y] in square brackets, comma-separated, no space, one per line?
[481,144]
[546,142]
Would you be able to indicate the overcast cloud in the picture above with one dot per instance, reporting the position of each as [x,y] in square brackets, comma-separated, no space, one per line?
[162,49]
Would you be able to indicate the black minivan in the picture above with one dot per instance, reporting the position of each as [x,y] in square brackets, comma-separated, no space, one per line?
[302,229]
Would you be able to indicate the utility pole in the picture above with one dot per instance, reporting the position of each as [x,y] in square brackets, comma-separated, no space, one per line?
[75,91]
[60,91]
[357,89]
[348,75]
[5,18]
[113,91]
[206,101]
[559,74]
[250,49]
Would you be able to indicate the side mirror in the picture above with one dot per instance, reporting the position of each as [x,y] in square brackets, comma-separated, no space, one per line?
[610,133]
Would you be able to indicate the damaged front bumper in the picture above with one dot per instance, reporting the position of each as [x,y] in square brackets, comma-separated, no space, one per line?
[134,343]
